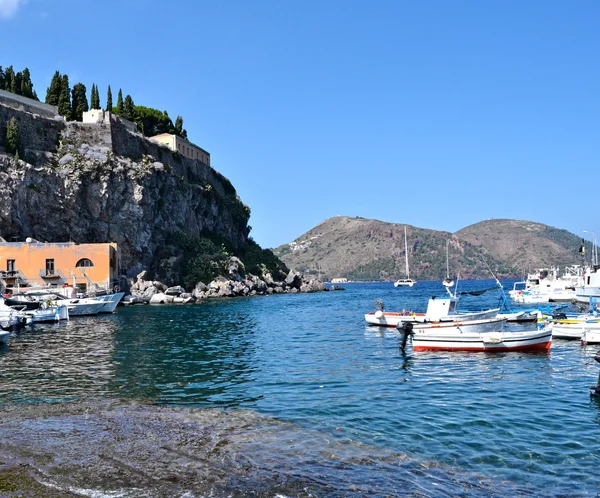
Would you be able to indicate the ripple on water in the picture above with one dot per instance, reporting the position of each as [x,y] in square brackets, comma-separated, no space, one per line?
[309,360]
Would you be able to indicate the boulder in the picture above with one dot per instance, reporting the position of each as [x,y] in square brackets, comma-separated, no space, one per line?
[161,298]
[175,291]
[293,279]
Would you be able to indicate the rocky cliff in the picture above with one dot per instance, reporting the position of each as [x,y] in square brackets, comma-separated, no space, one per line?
[104,182]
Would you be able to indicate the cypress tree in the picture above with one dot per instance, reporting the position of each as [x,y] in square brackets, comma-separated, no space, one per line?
[80,102]
[26,84]
[1,78]
[9,78]
[35,97]
[64,101]
[128,108]
[97,98]
[179,126]
[53,91]
[92,96]
[109,100]
[16,86]
[120,103]
[11,144]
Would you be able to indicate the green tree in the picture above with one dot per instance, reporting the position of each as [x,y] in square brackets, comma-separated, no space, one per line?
[152,121]
[17,83]
[26,84]
[79,103]
[11,144]
[64,101]
[179,125]
[9,77]
[120,103]
[95,100]
[128,109]
[109,100]
[1,78]
[54,90]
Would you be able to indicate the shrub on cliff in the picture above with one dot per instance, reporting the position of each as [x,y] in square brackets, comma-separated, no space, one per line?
[12,142]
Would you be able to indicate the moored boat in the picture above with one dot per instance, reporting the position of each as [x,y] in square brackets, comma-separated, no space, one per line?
[438,309]
[475,335]
[405,281]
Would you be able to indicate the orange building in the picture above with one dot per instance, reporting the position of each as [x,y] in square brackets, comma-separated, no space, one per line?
[33,263]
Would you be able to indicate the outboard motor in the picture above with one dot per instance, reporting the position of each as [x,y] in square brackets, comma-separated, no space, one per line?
[406,329]
[595,390]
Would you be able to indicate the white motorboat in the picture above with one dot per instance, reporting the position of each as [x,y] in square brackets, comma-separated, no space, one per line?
[591,335]
[405,281]
[588,291]
[438,309]
[475,335]
[546,285]
[574,329]
[110,301]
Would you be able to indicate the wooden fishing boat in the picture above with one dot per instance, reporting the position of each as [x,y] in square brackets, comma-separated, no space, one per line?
[438,309]
[475,335]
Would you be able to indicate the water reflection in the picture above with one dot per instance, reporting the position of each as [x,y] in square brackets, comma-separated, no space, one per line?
[59,361]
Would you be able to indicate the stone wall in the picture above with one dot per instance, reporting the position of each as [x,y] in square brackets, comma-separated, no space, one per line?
[38,135]
[29,105]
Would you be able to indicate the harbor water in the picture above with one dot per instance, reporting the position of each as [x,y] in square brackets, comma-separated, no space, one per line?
[312,400]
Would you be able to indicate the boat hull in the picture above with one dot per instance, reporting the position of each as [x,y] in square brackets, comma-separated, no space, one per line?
[110,301]
[393,319]
[494,342]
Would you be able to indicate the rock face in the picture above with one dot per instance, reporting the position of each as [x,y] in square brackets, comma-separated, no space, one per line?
[103,182]
[143,291]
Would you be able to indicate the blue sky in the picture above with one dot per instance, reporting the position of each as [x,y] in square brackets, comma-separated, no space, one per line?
[436,114]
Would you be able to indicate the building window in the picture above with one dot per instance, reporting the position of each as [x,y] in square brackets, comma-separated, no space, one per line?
[49,267]
[84,263]
[11,265]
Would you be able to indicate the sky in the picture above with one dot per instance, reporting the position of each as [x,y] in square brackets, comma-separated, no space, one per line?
[435,114]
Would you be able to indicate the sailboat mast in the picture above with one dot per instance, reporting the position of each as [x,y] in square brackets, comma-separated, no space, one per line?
[447,263]
[406,253]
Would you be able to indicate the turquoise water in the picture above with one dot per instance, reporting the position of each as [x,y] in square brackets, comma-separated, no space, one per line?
[490,424]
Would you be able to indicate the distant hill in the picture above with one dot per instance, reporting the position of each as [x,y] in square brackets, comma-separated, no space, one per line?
[364,249]
[524,245]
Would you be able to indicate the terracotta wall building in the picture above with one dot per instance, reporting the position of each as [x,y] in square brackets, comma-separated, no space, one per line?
[33,263]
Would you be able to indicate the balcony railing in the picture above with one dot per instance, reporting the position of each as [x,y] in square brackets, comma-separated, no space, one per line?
[13,277]
[51,274]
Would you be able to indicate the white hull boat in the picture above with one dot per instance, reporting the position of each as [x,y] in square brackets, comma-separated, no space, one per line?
[520,316]
[575,329]
[478,335]
[48,315]
[438,309]
[405,282]
[591,336]
[110,301]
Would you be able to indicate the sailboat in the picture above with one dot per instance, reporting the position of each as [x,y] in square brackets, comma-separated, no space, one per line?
[405,281]
[448,282]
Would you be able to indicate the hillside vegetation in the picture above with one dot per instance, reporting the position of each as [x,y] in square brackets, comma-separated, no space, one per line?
[364,249]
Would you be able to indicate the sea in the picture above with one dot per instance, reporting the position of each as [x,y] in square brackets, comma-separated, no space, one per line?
[361,416]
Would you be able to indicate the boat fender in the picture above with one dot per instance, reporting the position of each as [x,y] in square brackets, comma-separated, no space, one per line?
[379,314]
[492,338]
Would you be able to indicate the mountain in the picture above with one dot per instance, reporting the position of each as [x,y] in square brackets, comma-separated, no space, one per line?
[524,245]
[364,249]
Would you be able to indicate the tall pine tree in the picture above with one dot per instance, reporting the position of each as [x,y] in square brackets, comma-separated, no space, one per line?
[80,102]
[64,101]
[109,100]
[128,108]
[179,126]
[1,78]
[26,84]
[53,91]
[96,103]
[120,103]
[11,144]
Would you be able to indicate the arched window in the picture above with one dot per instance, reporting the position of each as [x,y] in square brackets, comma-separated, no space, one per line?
[84,263]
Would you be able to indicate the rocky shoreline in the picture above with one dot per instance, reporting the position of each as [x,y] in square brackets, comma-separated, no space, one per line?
[236,284]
